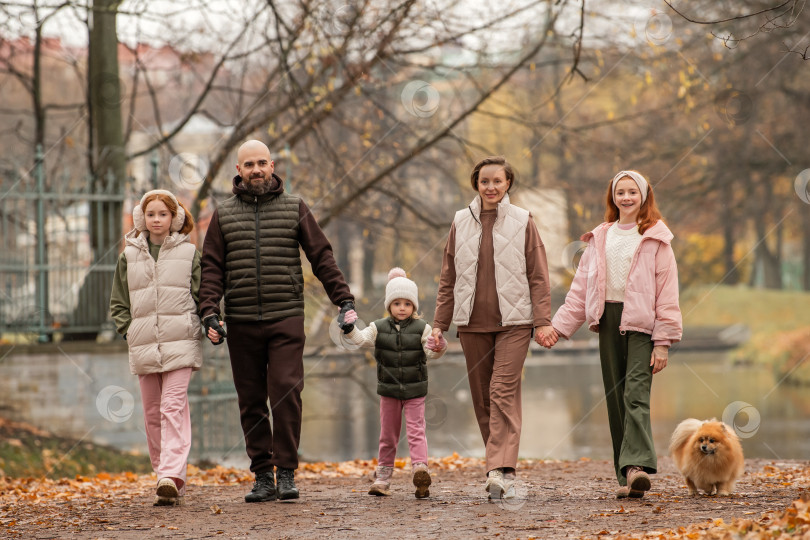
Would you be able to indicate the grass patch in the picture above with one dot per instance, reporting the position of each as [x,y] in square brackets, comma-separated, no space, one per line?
[779,322]
[26,451]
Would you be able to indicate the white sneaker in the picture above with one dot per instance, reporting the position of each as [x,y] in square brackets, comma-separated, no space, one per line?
[509,485]
[495,484]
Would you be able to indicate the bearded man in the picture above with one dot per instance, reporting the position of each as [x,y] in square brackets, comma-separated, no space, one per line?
[251,256]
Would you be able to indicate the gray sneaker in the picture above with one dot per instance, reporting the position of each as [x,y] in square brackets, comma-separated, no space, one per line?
[382,481]
[421,479]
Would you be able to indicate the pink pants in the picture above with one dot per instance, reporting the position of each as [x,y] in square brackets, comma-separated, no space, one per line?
[391,423]
[168,422]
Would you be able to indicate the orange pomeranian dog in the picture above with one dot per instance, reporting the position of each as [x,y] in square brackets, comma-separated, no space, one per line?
[708,454]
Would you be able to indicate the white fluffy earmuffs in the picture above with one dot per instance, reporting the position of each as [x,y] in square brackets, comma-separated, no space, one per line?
[139,220]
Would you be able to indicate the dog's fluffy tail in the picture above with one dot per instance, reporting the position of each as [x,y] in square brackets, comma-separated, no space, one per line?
[684,430]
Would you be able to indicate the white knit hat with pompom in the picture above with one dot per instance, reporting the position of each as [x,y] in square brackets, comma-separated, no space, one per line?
[400,286]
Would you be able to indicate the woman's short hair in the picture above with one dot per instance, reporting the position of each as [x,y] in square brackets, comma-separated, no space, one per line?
[493,160]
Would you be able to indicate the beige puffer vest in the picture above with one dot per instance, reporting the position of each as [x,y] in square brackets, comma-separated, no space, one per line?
[165,331]
[509,243]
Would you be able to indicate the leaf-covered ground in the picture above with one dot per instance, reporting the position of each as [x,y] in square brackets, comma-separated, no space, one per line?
[556,500]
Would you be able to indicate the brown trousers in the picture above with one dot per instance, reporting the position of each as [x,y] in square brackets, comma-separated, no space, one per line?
[267,362]
[494,369]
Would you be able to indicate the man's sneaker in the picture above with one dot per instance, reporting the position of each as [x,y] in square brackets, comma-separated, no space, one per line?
[495,484]
[286,484]
[421,479]
[382,481]
[624,492]
[264,488]
[637,479]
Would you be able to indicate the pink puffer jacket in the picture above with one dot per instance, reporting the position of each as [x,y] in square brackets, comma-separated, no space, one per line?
[651,293]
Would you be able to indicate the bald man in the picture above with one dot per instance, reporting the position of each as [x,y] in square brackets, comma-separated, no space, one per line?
[251,256]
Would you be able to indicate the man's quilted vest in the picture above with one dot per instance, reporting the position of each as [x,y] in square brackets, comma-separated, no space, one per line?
[165,331]
[401,360]
[509,246]
[263,276]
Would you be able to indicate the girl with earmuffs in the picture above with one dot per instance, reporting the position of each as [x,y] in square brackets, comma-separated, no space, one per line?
[154,305]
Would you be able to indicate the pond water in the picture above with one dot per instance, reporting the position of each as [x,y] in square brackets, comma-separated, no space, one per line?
[92,396]
[564,413]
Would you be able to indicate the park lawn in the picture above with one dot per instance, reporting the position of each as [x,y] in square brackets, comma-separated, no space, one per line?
[779,322]
[26,451]
[762,310]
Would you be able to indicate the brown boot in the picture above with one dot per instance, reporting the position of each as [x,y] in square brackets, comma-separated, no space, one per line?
[382,481]
[421,479]
[637,479]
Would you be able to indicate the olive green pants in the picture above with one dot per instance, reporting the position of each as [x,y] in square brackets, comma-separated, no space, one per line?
[627,375]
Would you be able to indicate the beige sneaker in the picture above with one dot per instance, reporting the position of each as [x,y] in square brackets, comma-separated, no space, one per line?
[168,501]
[495,484]
[509,479]
[166,493]
[637,479]
[624,492]
[421,479]
[382,481]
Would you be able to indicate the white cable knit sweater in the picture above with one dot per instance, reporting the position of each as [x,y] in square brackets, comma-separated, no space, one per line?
[620,246]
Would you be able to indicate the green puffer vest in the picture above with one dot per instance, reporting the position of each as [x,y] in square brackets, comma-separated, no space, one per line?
[401,360]
[263,276]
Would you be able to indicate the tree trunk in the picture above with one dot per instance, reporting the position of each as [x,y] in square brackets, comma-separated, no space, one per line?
[803,211]
[107,162]
[732,275]
[770,261]
[369,252]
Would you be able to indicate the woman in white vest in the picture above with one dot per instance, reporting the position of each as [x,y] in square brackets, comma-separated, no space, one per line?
[154,305]
[494,287]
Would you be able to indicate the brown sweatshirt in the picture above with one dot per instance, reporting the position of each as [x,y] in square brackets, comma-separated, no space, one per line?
[486,315]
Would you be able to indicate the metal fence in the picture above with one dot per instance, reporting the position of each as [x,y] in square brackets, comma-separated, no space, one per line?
[58,250]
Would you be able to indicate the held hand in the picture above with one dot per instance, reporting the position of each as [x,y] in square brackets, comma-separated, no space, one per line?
[436,334]
[658,360]
[345,307]
[214,330]
[546,336]
[349,318]
[436,345]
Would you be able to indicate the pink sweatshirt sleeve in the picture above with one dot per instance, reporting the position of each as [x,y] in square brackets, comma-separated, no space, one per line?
[571,314]
[668,325]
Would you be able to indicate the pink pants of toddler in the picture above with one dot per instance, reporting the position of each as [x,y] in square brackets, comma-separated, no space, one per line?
[391,410]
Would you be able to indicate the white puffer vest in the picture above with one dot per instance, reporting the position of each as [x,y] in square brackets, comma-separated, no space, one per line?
[165,331]
[509,243]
